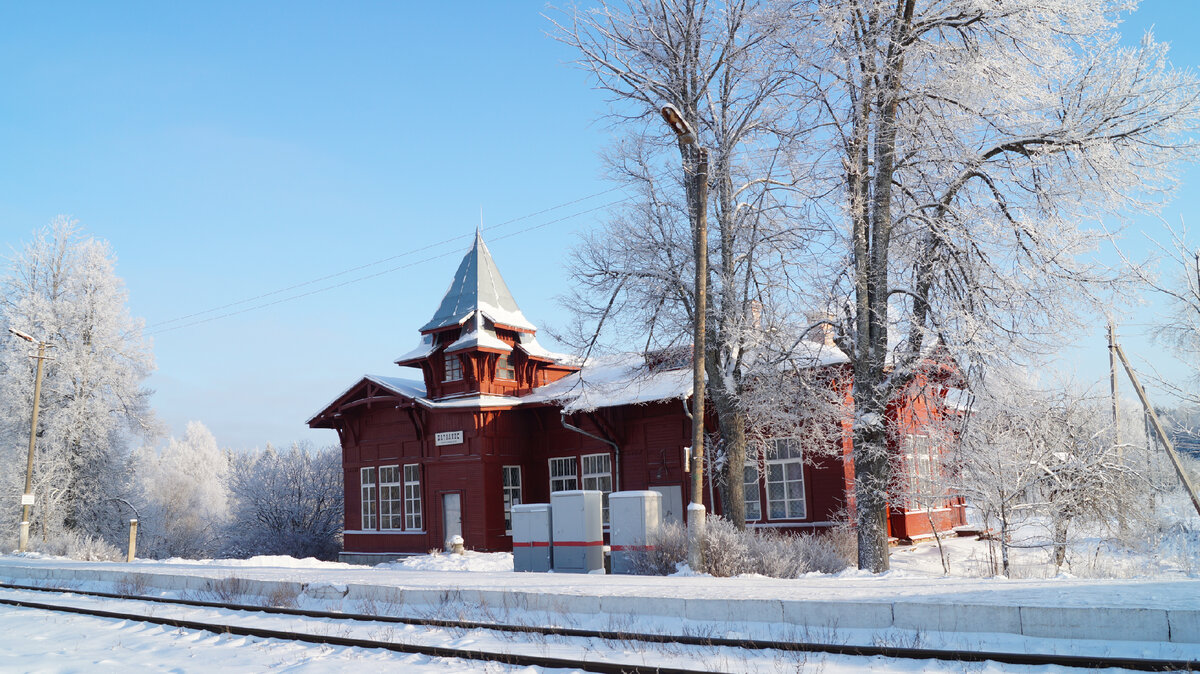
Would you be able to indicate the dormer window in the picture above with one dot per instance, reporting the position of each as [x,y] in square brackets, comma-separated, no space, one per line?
[504,368]
[453,368]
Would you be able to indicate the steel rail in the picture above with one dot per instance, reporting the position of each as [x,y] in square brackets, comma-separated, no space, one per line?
[514,659]
[1033,659]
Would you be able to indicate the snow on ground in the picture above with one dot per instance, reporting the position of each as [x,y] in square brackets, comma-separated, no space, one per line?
[469,561]
[43,641]
[56,642]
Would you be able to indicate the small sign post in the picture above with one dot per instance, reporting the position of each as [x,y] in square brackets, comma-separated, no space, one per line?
[132,540]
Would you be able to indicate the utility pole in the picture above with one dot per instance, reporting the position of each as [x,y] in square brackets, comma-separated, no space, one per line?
[699,212]
[1112,376]
[27,497]
[1158,429]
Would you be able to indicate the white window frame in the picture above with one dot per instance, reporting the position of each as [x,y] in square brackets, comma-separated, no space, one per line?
[919,465]
[391,505]
[784,469]
[563,477]
[598,478]
[505,369]
[367,490]
[751,492]
[413,511]
[453,368]
[510,481]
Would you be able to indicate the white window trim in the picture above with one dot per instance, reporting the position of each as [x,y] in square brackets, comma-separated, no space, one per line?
[920,483]
[420,499]
[510,491]
[783,463]
[368,492]
[396,515]
[550,471]
[757,485]
[584,476]
[511,368]
[449,359]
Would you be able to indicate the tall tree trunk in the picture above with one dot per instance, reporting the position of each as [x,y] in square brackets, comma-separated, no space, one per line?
[872,215]
[733,437]
[1060,541]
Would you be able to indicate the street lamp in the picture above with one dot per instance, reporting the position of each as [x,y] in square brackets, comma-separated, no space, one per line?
[698,205]
[27,497]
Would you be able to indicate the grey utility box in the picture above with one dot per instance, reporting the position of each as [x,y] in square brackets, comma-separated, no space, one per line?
[634,517]
[577,531]
[531,537]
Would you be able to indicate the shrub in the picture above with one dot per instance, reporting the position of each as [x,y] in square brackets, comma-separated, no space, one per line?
[668,548]
[726,550]
[79,546]
[729,552]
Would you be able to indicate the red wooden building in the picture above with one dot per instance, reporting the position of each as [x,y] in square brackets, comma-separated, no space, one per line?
[497,420]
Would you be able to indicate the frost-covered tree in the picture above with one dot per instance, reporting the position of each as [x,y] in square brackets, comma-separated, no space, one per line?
[287,503]
[61,287]
[970,144]
[1046,459]
[186,495]
[953,154]
[1177,280]
[723,66]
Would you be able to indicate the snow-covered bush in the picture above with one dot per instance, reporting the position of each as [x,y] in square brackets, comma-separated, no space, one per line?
[729,552]
[829,552]
[286,503]
[185,488]
[726,550]
[771,555]
[79,546]
[667,548]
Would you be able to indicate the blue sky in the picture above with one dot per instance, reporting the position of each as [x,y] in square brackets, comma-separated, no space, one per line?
[228,150]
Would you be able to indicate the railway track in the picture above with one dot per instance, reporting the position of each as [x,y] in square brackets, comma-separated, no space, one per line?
[526,660]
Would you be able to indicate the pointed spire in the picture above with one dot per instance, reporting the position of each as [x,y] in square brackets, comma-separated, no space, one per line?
[478,288]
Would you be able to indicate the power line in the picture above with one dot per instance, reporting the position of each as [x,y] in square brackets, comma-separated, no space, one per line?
[159,326]
[177,323]
[162,330]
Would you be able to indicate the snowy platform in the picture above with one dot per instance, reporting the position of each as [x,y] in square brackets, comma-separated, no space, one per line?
[991,612]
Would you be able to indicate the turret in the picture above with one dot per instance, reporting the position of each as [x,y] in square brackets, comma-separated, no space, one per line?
[478,341]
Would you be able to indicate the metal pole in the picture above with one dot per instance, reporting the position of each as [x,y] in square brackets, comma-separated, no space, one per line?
[1158,429]
[27,498]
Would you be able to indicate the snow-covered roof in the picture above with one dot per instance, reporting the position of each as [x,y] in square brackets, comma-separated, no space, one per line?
[621,380]
[528,343]
[818,354]
[422,350]
[478,336]
[415,391]
[478,286]
[958,399]
[405,387]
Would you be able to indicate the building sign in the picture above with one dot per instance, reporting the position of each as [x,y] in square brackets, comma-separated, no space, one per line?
[448,438]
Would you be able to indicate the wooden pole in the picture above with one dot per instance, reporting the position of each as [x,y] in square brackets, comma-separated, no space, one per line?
[696,510]
[133,524]
[1112,375]
[27,497]
[1158,429]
